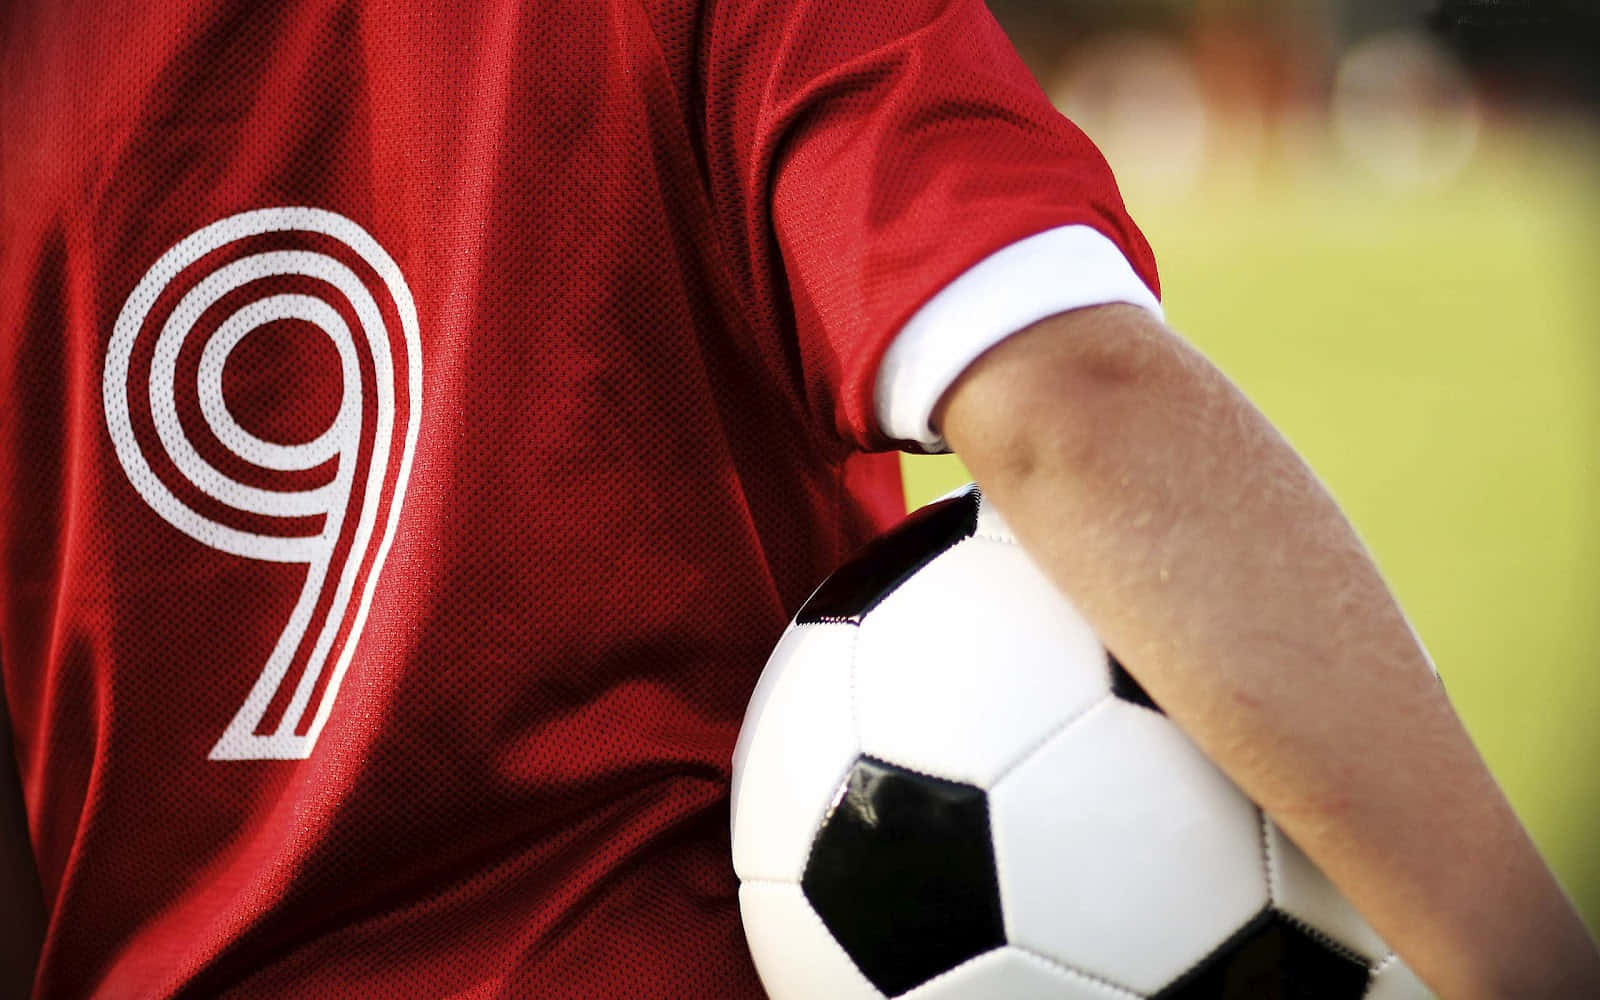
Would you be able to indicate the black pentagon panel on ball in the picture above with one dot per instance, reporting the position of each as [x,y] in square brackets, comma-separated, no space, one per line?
[902,874]
[1125,687]
[1273,958]
[885,562]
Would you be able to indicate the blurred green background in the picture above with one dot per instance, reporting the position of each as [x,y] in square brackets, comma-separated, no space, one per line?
[1424,328]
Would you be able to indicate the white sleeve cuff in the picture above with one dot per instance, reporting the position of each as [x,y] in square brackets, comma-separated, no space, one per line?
[1069,267]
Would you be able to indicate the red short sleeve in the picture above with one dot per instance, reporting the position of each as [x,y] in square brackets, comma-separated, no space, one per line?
[864,153]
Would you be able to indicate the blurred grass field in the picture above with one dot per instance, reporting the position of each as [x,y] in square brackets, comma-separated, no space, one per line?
[1435,355]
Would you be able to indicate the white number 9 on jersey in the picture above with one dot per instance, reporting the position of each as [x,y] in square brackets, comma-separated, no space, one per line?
[168,350]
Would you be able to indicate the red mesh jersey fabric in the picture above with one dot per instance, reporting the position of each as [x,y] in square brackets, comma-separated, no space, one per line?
[417,422]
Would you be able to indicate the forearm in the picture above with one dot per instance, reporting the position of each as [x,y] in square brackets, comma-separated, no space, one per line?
[1220,571]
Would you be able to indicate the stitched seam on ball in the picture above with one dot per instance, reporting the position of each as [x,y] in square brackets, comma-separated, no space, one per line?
[1388,960]
[1275,896]
[1187,975]
[855,700]
[1074,971]
[1007,539]
[841,786]
[1327,941]
[1039,744]
[841,780]
[1269,859]
[768,881]
[816,918]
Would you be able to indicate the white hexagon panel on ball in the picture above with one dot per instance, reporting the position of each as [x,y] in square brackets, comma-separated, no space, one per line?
[1123,852]
[971,663]
[797,742]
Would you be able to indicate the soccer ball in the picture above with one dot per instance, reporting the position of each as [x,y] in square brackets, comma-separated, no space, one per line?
[946,787]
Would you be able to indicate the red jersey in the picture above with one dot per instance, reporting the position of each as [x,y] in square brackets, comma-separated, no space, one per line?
[417,422]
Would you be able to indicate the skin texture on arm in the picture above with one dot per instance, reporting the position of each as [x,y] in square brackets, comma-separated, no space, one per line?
[21,906]
[1223,575]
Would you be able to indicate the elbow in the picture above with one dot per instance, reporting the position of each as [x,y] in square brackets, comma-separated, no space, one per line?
[1081,395]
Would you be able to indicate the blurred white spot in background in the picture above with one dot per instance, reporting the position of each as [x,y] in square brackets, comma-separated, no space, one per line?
[1404,110]
[1140,99]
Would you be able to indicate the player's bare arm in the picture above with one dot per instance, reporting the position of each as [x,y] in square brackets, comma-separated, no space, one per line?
[1202,549]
